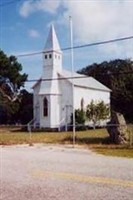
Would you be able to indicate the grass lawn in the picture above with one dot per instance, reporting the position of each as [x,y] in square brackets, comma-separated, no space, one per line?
[119,152]
[9,136]
[94,139]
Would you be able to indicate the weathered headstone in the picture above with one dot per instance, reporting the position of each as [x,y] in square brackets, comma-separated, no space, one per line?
[117,129]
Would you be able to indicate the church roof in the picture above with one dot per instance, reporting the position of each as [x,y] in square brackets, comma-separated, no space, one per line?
[52,43]
[79,81]
[84,81]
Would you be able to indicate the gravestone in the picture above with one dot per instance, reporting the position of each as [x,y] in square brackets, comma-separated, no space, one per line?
[117,129]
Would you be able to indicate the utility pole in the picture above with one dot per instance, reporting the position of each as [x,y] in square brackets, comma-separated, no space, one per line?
[72,71]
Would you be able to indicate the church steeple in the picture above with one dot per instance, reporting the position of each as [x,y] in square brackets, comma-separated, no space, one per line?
[52,51]
[52,43]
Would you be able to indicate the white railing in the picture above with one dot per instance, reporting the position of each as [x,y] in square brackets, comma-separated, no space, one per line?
[29,125]
[60,124]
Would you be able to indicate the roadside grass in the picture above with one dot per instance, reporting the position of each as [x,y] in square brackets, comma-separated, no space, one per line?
[113,151]
[97,140]
[9,136]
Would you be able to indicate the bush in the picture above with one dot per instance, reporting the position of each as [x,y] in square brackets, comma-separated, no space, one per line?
[80,119]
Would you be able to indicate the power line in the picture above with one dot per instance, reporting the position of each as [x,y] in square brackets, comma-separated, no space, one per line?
[101,43]
[79,77]
[80,46]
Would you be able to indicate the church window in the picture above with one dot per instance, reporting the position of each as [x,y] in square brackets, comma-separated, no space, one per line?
[82,104]
[45,107]
[58,57]
[50,56]
[45,56]
[55,56]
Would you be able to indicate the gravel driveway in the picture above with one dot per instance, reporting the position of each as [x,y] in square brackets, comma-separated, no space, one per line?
[47,172]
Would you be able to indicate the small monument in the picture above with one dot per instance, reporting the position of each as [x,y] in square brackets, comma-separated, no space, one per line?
[117,129]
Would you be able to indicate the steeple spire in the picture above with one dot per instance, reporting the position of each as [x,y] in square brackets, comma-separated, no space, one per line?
[52,43]
[52,53]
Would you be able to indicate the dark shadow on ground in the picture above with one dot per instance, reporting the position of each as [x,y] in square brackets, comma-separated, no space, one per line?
[88,140]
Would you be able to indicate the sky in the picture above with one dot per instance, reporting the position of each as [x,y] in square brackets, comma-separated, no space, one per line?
[24,26]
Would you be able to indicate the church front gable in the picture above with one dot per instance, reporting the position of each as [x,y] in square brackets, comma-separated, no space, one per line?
[66,102]
[36,104]
[49,111]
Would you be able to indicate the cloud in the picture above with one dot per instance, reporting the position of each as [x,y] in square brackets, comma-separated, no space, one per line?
[27,8]
[92,20]
[31,6]
[101,20]
[33,33]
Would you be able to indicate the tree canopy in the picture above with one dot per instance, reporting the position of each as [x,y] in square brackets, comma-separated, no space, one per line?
[97,111]
[10,68]
[12,80]
[118,76]
[25,111]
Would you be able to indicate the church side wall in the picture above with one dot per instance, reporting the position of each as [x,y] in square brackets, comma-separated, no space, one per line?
[88,95]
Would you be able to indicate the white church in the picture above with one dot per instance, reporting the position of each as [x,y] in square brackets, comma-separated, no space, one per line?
[55,93]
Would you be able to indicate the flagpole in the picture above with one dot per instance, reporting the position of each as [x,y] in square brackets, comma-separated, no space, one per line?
[72,71]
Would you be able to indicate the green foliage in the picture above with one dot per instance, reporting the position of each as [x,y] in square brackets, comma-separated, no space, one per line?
[118,76]
[94,112]
[80,119]
[97,111]
[80,116]
[25,112]
[10,69]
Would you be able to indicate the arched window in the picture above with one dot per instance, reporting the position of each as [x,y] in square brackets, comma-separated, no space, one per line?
[82,104]
[45,107]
